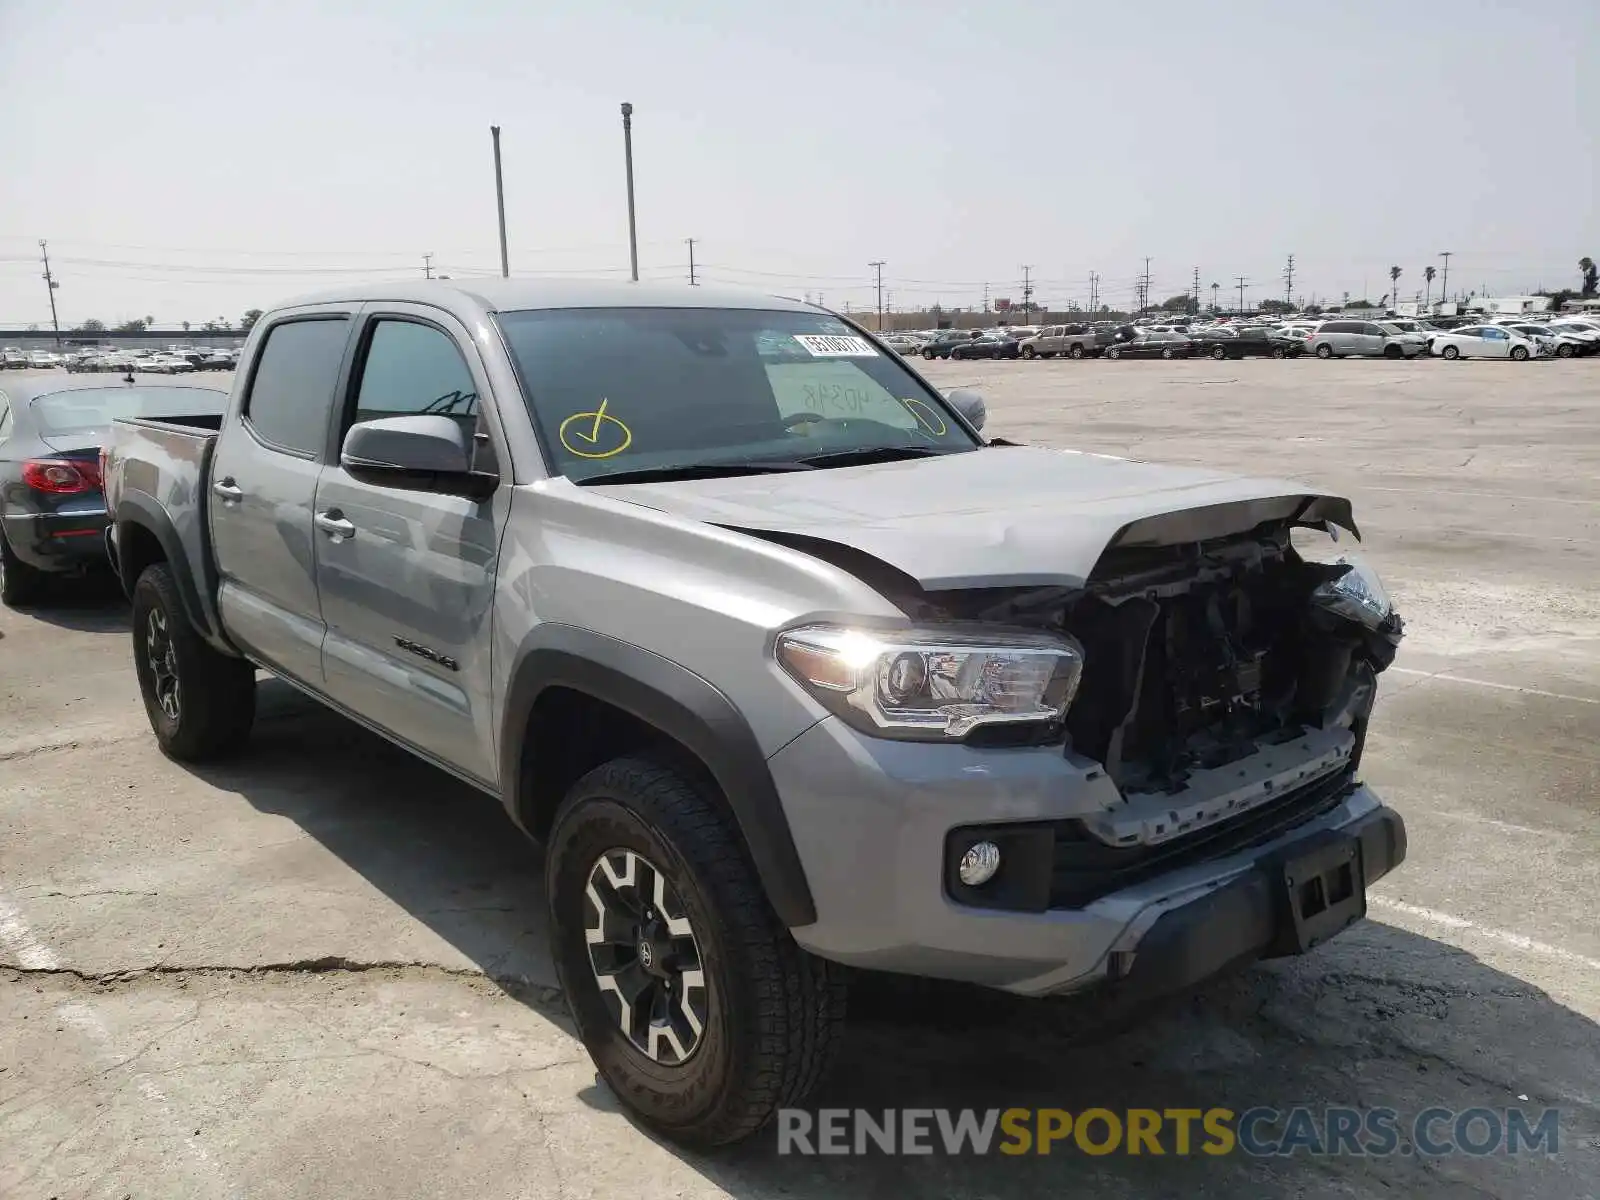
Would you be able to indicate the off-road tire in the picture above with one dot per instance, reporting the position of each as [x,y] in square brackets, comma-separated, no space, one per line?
[1075,352]
[20,583]
[216,698]
[775,1013]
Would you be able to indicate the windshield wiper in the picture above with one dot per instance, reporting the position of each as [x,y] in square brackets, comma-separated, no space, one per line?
[864,455]
[709,470]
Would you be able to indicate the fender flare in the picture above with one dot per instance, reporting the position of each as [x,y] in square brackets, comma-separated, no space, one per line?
[139,511]
[684,706]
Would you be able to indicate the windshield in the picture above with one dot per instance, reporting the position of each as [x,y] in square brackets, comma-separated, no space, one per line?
[1391,330]
[94,408]
[615,390]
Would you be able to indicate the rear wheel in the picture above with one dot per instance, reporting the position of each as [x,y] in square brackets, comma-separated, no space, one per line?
[1519,353]
[928,354]
[201,702]
[20,583]
[1027,352]
[1167,352]
[1218,353]
[1451,352]
[1324,351]
[700,1011]
[1075,352]
[1279,352]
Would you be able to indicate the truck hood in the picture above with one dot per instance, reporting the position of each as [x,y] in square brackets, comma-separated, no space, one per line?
[1004,516]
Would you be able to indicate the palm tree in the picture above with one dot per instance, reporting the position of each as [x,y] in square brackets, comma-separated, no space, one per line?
[1214,289]
[1427,277]
[1586,265]
[1394,288]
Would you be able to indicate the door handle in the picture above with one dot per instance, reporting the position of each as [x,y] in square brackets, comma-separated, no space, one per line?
[227,489]
[333,524]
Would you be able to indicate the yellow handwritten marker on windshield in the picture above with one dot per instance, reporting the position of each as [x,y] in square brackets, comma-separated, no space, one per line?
[602,423]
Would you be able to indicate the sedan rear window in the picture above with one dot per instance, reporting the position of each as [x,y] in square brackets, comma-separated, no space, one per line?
[94,408]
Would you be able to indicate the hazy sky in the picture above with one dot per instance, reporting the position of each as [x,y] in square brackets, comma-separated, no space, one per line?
[191,160]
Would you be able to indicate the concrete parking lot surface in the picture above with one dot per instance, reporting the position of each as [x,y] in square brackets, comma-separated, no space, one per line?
[321,969]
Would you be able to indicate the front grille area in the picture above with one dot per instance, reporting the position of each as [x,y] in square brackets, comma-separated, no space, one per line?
[1083,868]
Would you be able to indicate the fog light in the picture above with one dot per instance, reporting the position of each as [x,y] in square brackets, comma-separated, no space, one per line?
[979,863]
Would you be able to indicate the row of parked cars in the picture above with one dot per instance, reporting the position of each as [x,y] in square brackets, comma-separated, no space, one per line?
[175,361]
[1517,338]
[13,359]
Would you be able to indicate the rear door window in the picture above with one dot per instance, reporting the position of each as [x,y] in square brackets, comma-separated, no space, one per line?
[291,392]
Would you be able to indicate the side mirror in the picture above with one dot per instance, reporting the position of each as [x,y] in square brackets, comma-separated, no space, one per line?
[970,405]
[428,453]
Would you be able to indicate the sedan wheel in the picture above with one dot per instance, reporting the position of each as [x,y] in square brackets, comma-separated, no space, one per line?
[1324,351]
[1519,353]
[1113,352]
[928,354]
[1167,353]
[1027,352]
[1279,352]
[1218,353]
[1451,352]
[1564,350]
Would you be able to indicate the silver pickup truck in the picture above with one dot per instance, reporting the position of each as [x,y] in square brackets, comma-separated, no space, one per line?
[789,668]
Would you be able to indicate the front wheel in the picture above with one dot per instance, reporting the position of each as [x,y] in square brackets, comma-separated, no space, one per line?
[1028,352]
[1167,353]
[1393,352]
[1279,352]
[1451,352]
[1564,350]
[201,702]
[701,1013]
[1113,352]
[928,354]
[1218,353]
[1075,352]
[1519,353]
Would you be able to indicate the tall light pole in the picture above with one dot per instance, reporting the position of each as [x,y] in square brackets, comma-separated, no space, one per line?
[878,267]
[692,280]
[1444,283]
[500,201]
[51,285]
[627,154]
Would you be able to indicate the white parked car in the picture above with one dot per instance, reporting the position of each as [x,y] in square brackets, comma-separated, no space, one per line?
[164,364]
[1486,341]
[1587,332]
[1557,342]
[903,344]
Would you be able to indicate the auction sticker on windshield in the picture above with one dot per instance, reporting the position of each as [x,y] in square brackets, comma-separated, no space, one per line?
[828,345]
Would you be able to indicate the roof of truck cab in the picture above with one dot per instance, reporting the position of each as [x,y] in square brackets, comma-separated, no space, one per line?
[510,295]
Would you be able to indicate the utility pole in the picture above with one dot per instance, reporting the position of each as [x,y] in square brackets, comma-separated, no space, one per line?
[1027,290]
[986,297]
[50,285]
[627,154]
[1197,291]
[1444,283]
[500,202]
[1288,280]
[427,266]
[1240,278]
[878,267]
[1093,280]
[693,282]
[1144,287]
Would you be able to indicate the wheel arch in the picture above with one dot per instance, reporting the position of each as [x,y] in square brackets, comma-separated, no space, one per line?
[565,680]
[146,535]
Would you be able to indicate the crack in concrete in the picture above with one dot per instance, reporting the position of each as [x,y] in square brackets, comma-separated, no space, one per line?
[518,986]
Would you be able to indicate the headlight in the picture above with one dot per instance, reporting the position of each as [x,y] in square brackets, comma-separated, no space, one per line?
[932,684]
[1357,594]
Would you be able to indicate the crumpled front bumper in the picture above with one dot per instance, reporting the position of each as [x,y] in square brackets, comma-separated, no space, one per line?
[871,820]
